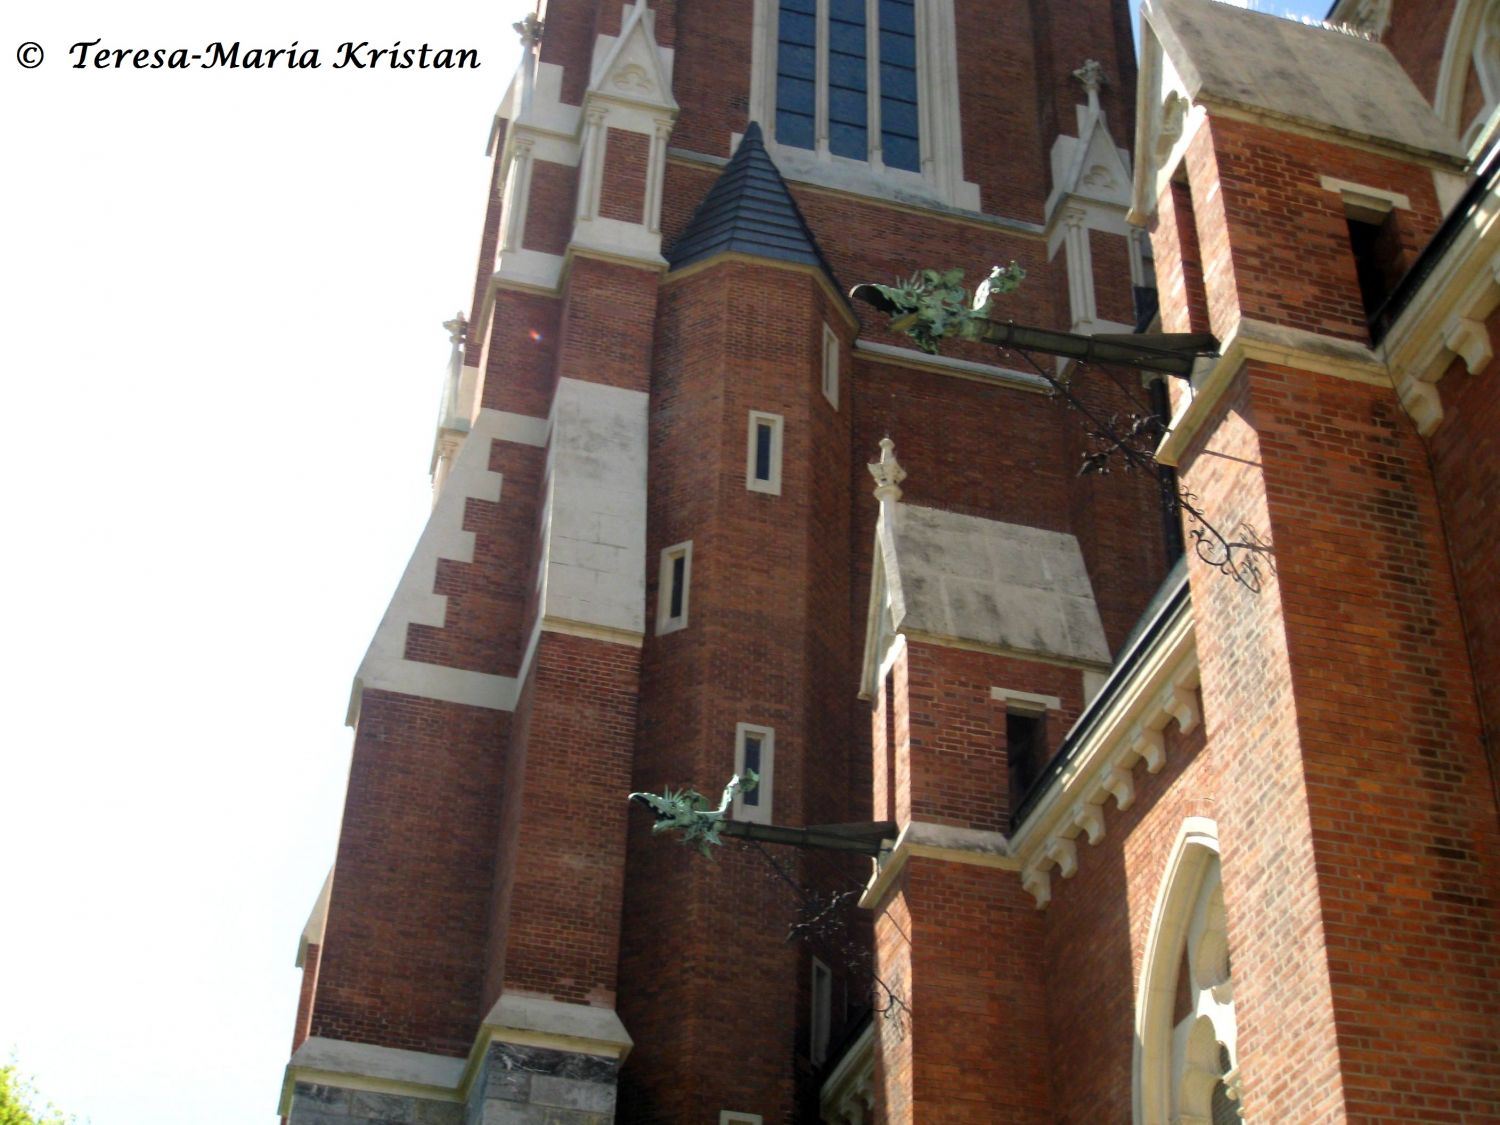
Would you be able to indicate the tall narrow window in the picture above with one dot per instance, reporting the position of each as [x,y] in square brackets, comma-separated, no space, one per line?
[846,79]
[797,73]
[673,579]
[755,749]
[822,1012]
[1025,751]
[763,453]
[830,367]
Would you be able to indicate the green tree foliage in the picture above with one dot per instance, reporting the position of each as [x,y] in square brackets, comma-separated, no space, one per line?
[18,1101]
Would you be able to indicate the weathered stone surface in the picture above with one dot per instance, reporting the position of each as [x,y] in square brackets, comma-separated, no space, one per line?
[389,1109]
[573,1093]
[308,1097]
[540,1086]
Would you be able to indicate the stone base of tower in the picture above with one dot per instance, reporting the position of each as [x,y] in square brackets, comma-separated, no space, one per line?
[524,1084]
[534,1060]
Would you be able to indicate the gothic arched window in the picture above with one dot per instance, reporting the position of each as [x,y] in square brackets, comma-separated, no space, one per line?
[1185,1030]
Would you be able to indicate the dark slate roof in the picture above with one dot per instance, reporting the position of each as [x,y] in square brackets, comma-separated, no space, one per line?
[749,211]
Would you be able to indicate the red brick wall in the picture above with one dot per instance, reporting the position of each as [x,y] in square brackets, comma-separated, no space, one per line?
[482,624]
[604,334]
[1416,35]
[1096,926]
[1283,996]
[561,861]
[961,947]
[767,642]
[1275,242]
[1465,453]
[955,771]
[1379,606]
[1179,262]
[549,212]
[622,191]
[489,244]
[403,952]
[305,995]
[521,354]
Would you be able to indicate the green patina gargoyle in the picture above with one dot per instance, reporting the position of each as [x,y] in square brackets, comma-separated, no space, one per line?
[933,304]
[687,811]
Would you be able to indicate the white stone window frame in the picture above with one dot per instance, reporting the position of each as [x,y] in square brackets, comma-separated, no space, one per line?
[665,621]
[939,139]
[735,1117]
[771,485]
[759,813]
[1177,1067]
[820,1022]
[830,379]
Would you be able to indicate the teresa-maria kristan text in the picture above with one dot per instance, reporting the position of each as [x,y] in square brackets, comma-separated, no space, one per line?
[346,56]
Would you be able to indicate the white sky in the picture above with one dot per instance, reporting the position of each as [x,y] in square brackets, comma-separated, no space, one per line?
[222,355]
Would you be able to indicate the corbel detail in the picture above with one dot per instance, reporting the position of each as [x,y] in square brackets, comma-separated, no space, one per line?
[1119,783]
[1470,340]
[1038,885]
[1089,819]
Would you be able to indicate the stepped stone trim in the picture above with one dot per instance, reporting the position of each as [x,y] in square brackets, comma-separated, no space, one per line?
[385,666]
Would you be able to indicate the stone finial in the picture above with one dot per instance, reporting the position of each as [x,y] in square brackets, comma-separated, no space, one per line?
[457,328]
[1091,74]
[530,31]
[887,472]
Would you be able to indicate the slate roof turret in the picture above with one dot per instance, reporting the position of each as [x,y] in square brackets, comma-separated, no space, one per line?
[749,211]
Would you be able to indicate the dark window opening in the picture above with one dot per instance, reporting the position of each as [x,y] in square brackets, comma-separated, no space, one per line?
[889,813]
[1025,751]
[752,762]
[1377,259]
[763,451]
[679,586]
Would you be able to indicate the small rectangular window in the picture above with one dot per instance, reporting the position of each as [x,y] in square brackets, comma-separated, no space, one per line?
[1025,751]
[763,453]
[822,1012]
[755,749]
[830,367]
[673,580]
[1378,259]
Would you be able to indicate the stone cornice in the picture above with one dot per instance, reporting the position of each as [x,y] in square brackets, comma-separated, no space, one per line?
[937,841]
[1252,339]
[946,365]
[837,299]
[1446,318]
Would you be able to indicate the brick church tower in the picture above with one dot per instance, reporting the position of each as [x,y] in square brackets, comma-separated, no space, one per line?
[1156,838]
[649,558]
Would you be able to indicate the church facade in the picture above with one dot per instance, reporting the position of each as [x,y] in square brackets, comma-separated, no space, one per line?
[1159,794]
